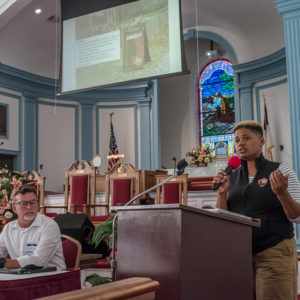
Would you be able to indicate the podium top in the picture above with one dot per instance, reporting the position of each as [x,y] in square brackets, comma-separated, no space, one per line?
[215,212]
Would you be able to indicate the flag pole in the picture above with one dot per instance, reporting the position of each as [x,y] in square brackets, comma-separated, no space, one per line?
[265,124]
[268,149]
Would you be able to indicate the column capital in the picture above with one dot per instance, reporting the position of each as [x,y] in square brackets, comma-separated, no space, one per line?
[144,102]
[289,9]
[245,87]
[87,103]
[29,97]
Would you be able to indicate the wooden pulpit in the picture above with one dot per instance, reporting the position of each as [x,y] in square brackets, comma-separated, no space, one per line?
[192,253]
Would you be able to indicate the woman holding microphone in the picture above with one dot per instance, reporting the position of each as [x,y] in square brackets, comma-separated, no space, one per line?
[269,191]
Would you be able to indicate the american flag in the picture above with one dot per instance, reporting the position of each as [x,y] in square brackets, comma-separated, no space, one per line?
[269,145]
[113,147]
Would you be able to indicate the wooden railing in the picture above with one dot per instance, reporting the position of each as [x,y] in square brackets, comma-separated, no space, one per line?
[126,289]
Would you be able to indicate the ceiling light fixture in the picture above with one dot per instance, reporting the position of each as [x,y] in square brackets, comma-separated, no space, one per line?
[38,11]
[211,53]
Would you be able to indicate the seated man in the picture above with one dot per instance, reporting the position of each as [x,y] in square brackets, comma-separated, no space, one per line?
[31,239]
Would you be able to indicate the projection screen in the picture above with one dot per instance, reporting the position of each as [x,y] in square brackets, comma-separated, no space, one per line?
[135,41]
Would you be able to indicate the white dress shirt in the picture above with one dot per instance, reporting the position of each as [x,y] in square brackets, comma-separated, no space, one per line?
[40,244]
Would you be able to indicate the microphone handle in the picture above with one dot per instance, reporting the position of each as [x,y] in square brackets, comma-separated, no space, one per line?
[228,170]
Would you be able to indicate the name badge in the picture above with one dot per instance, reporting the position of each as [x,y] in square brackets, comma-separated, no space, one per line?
[30,248]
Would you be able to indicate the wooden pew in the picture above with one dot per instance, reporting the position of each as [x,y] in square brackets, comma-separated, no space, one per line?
[127,289]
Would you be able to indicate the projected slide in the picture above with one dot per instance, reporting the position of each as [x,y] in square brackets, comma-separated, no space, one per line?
[136,40]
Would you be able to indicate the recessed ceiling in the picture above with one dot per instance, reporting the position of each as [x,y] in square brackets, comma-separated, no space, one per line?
[32,42]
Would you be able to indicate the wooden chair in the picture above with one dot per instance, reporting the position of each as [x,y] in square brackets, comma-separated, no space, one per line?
[80,190]
[33,177]
[200,183]
[72,250]
[148,180]
[175,191]
[122,184]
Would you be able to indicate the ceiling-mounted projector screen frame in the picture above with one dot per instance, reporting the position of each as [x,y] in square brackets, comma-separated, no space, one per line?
[136,41]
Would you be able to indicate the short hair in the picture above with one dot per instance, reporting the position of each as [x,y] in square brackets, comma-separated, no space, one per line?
[26,188]
[251,125]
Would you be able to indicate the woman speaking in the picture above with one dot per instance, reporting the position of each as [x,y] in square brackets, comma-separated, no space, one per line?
[270,191]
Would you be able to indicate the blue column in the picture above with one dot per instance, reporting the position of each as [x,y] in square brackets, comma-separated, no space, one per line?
[290,11]
[156,126]
[145,133]
[245,101]
[86,131]
[237,110]
[30,132]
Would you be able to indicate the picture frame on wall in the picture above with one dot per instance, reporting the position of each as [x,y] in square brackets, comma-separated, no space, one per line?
[3,120]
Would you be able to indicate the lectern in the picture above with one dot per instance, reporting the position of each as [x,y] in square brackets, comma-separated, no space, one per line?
[193,253]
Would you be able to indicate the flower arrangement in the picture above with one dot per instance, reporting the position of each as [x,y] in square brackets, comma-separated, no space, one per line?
[200,155]
[8,184]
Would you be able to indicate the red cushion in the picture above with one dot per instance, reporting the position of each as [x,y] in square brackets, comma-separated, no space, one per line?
[200,184]
[79,190]
[51,215]
[121,191]
[70,253]
[171,193]
[101,263]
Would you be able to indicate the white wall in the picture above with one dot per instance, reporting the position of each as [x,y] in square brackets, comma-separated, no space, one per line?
[124,124]
[179,104]
[12,140]
[278,108]
[56,143]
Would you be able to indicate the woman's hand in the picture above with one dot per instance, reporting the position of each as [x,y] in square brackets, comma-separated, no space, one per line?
[224,179]
[279,183]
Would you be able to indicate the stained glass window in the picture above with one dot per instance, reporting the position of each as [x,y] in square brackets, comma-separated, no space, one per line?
[216,107]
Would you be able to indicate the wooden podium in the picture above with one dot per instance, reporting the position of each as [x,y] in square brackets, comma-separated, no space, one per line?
[192,253]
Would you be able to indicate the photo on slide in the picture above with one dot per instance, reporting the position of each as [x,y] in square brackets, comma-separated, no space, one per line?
[122,43]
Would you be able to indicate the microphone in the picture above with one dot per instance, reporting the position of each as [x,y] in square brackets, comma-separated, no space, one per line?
[180,169]
[40,169]
[181,166]
[174,159]
[233,163]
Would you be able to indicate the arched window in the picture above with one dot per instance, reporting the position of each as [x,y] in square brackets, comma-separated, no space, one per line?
[216,106]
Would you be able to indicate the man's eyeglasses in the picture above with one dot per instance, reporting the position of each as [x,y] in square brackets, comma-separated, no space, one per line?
[26,203]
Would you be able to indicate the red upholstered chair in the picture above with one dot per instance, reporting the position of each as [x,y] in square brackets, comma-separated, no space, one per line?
[102,263]
[200,183]
[175,191]
[72,251]
[122,184]
[80,191]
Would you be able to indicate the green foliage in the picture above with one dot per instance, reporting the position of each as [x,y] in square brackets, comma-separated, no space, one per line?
[8,184]
[214,131]
[95,279]
[229,81]
[226,77]
[230,101]
[228,85]
[102,231]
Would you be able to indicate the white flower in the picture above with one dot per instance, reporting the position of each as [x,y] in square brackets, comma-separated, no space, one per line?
[8,215]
